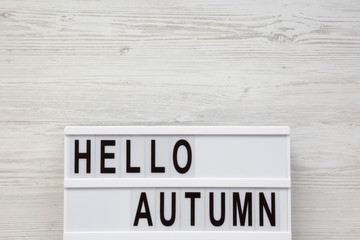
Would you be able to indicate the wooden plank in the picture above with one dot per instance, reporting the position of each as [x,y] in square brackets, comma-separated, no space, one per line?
[157,62]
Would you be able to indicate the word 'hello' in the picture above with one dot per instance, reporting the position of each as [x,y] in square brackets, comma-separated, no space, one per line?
[129,168]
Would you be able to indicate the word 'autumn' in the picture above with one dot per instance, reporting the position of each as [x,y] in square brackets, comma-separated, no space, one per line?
[241,214]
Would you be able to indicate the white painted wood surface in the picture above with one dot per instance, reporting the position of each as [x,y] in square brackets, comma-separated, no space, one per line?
[147,62]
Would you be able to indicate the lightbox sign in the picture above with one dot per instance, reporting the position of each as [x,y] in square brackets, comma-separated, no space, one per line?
[177,183]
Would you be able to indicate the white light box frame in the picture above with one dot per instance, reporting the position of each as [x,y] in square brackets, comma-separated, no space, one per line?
[102,191]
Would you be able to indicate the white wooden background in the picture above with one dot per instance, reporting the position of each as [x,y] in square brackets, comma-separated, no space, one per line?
[153,62]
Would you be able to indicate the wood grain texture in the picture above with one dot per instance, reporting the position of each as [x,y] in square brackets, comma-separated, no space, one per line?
[153,62]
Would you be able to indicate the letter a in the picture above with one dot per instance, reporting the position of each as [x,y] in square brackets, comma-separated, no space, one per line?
[143,201]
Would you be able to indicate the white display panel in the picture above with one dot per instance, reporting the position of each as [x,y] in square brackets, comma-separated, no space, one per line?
[177,182]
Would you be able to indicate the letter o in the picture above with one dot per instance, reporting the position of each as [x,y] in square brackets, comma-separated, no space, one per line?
[178,144]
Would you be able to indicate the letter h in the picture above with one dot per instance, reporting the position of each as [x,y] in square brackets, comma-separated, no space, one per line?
[86,155]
